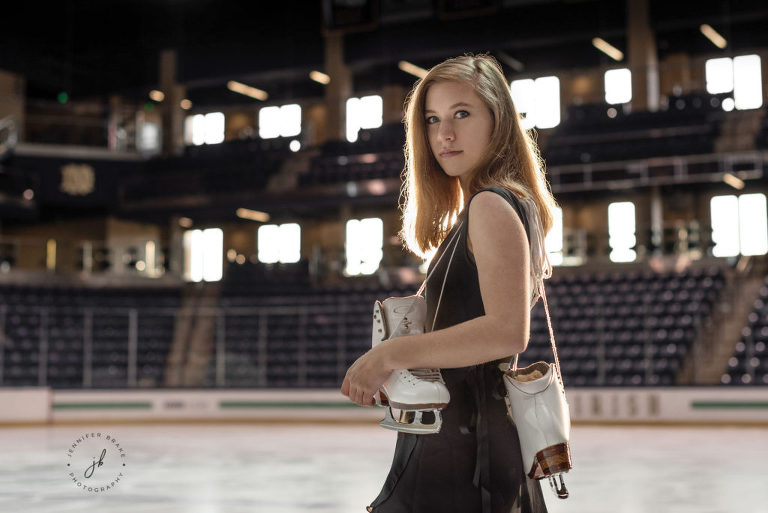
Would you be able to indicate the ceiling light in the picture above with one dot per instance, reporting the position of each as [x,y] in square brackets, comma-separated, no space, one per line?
[156,95]
[186,104]
[414,70]
[252,215]
[608,49]
[320,77]
[712,34]
[185,222]
[733,181]
[241,88]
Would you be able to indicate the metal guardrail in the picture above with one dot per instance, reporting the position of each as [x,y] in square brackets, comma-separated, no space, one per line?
[132,317]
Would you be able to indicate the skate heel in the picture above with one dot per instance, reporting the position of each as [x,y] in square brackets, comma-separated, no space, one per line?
[381,398]
[551,462]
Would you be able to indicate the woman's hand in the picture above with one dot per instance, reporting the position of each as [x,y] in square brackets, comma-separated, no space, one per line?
[365,376]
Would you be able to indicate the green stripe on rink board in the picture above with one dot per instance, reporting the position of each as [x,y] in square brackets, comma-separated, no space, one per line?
[267,404]
[102,406]
[729,405]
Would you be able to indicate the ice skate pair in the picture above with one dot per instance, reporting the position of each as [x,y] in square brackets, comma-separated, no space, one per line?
[418,394]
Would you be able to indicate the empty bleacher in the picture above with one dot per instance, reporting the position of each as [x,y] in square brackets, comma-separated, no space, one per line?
[600,132]
[68,337]
[749,363]
[275,330]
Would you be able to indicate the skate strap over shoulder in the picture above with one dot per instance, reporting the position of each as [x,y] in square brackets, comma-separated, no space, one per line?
[454,242]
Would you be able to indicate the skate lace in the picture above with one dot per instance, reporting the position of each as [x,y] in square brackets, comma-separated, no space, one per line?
[427,374]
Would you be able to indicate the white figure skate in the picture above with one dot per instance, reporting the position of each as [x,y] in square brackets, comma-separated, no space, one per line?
[418,393]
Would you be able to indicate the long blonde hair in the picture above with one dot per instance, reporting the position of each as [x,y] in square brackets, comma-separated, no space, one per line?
[430,199]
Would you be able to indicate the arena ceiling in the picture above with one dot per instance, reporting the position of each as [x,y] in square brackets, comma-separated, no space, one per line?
[91,49]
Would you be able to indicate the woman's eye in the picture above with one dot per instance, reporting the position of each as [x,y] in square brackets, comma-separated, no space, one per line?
[462,112]
[431,120]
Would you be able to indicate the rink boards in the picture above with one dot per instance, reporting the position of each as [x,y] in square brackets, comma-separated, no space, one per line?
[685,405]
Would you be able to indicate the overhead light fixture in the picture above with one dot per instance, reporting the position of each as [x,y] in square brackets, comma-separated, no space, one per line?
[608,49]
[252,215]
[733,181]
[247,90]
[185,222]
[186,104]
[320,77]
[156,95]
[414,70]
[712,34]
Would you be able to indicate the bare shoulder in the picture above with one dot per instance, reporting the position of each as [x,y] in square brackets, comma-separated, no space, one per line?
[491,214]
[490,206]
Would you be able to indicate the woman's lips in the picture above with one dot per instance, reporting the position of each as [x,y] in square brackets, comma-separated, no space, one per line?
[449,154]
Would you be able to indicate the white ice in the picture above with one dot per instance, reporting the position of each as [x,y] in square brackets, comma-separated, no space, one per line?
[339,468]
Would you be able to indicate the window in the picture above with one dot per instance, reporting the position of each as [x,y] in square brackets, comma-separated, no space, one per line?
[279,243]
[203,254]
[739,225]
[364,246]
[554,240]
[538,101]
[149,138]
[365,112]
[204,129]
[621,231]
[618,86]
[284,121]
[742,75]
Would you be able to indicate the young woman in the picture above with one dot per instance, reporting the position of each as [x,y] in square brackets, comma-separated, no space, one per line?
[467,159]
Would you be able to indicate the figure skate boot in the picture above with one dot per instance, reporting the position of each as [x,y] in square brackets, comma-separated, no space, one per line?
[419,394]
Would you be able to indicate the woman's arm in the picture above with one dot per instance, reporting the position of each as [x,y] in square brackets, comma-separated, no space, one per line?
[500,247]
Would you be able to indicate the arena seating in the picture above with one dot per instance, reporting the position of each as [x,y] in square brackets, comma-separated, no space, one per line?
[688,126]
[595,320]
[378,153]
[749,363]
[280,332]
[53,321]
[233,166]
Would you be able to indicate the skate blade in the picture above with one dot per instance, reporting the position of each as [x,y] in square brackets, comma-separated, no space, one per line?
[415,426]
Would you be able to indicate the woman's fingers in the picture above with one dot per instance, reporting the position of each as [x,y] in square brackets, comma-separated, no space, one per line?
[345,386]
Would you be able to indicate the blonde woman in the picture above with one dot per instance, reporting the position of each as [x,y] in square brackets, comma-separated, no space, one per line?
[468,159]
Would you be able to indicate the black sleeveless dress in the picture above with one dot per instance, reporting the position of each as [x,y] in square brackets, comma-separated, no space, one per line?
[474,464]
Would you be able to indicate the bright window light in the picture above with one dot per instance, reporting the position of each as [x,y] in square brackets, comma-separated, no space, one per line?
[524,100]
[203,254]
[539,100]
[214,128]
[283,121]
[724,215]
[719,75]
[204,129]
[149,141]
[269,122]
[618,86]
[621,231]
[554,240]
[747,82]
[365,112]
[279,243]
[753,233]
[364,246]
[742,75]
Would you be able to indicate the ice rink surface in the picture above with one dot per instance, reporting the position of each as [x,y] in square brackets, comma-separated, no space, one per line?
[339,468]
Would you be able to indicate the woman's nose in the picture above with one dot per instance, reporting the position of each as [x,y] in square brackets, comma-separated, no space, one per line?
[445,132]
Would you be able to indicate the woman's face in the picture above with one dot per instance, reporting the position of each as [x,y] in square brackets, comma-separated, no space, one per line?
[459,127]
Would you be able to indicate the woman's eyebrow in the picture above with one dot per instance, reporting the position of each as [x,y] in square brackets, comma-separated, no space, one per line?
[459,104]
